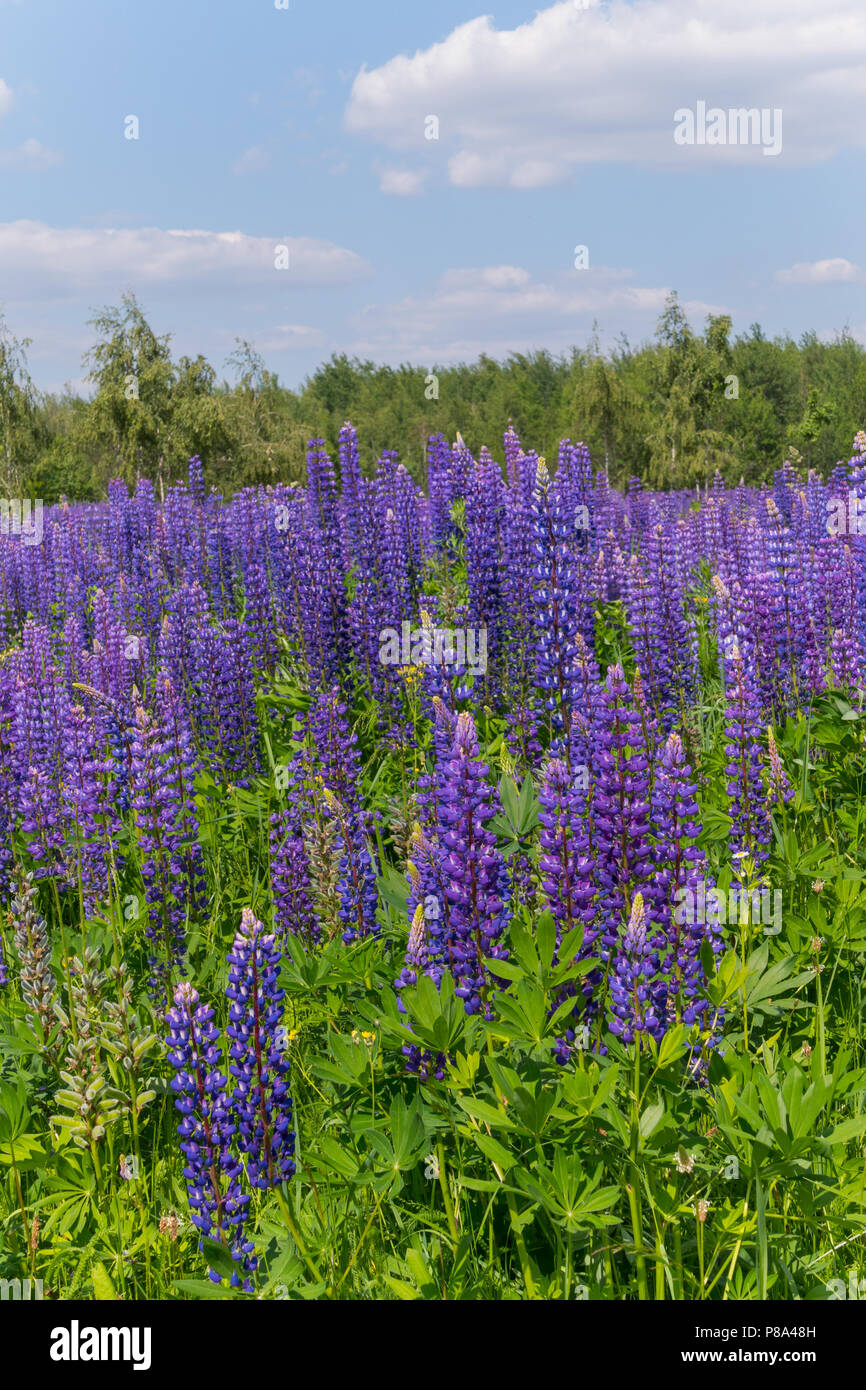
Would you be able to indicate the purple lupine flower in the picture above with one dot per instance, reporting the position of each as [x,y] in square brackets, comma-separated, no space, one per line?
[163,771]
[555,594]
[564,866]
[631,1001]
[417,960]
[39,712]
[440,680]
[332,757]
[351,488]
[399,523]
[566,870]
[458,879]
[428,897]
[334,747]
[226,700]
[92,824]
[778,781]
[7,790]
[679,880]
[662,643]
[485,505]
[259,620]
[195,480]
[218,1206]
[620,805]
[290,880]
[357,885]
[179,651]
[518,651]
[750,822]
[325,549]
[475,874]
[261,1102]
[440,490]
[845,672]
[420,1061]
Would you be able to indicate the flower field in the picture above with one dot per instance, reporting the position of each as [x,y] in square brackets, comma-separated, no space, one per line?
[454,892]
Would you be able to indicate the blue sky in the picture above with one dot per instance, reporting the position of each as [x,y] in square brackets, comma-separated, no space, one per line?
[306,127]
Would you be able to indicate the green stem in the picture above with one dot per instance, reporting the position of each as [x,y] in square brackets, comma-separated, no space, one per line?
[302,1251]
[446,1195]
[633,1187]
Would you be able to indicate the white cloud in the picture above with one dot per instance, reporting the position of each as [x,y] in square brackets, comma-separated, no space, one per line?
[31,156]
[7,100]
[253,161]
[526,107]
[494,277]
[288,337]
[40,261]
[403,183]
[500,309]
[836,271]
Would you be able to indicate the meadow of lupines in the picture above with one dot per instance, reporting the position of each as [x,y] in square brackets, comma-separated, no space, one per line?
[435,893]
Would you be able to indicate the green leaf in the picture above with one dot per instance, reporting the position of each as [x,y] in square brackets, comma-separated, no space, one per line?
[545,935]
[219,1258]
[708,959]
[570,945]
[492,1149]
[481,1110]
[847,1130]
[203,1288]
[505,969]
[673,1044]
[103,1289]
[394,890]
[480,1184]
[509,800]
[651,1118]
[527,807]
[24,1151]
[401,1288]
[332,1156]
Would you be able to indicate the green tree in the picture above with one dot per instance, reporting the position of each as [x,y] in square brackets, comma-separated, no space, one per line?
[148,414]
[21,429]
[132,371]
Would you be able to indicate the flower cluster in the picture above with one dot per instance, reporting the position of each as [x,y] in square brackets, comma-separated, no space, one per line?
[243,1127]
[260,1100]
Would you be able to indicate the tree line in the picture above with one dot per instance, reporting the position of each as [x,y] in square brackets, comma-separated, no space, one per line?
[671,411]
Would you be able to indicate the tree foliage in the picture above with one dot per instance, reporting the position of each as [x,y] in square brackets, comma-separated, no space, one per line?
[672,410]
